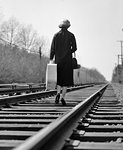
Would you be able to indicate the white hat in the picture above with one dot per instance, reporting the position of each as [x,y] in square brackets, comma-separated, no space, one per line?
[64,24]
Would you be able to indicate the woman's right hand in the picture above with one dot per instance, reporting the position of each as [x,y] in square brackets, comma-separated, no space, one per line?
[51,62]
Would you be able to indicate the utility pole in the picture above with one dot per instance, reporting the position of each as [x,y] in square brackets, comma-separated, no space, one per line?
[121,42]
[119,56]
[40,54]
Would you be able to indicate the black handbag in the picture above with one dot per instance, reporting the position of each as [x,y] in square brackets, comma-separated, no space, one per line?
[74,62]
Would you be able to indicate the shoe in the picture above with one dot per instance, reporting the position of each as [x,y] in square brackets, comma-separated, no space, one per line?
[63,102]
[57,98]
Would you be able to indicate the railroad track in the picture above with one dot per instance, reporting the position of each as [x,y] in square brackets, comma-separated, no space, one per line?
[33,121]
[18,89]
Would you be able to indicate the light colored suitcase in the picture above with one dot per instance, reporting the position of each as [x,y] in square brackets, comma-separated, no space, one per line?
[51,76]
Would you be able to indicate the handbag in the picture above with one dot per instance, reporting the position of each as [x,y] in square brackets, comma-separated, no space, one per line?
[74,62]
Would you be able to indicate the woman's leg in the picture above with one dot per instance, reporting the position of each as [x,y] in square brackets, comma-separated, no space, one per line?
[58,94]
[64,90]
[58,89]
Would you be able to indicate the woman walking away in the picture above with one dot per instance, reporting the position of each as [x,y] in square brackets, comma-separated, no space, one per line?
[62,47]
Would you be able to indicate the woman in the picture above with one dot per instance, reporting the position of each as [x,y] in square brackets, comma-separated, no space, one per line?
[62,47]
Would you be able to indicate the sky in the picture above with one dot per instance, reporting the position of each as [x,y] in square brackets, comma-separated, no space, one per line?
[96,24]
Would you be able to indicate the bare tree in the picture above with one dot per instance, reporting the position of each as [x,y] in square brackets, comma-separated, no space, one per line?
[9,30]
[28,39]
[22,36]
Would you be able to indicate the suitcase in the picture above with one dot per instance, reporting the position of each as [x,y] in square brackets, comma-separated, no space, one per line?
[51,76]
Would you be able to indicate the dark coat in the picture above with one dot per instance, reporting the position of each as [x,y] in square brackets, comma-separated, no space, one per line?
[62,47]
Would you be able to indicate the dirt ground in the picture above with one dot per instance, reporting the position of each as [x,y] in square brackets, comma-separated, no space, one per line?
[118,89]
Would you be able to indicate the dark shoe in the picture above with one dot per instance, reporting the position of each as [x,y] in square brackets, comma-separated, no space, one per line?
[63,102]
[57,98]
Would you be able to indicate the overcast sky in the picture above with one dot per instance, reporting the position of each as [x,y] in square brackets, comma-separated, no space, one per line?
[96,24]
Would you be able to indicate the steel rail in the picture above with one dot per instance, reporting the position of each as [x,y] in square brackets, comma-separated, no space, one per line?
[21,90]
[17,85]
[52,137]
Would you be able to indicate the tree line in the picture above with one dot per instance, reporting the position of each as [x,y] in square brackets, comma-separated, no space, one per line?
[18,66]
